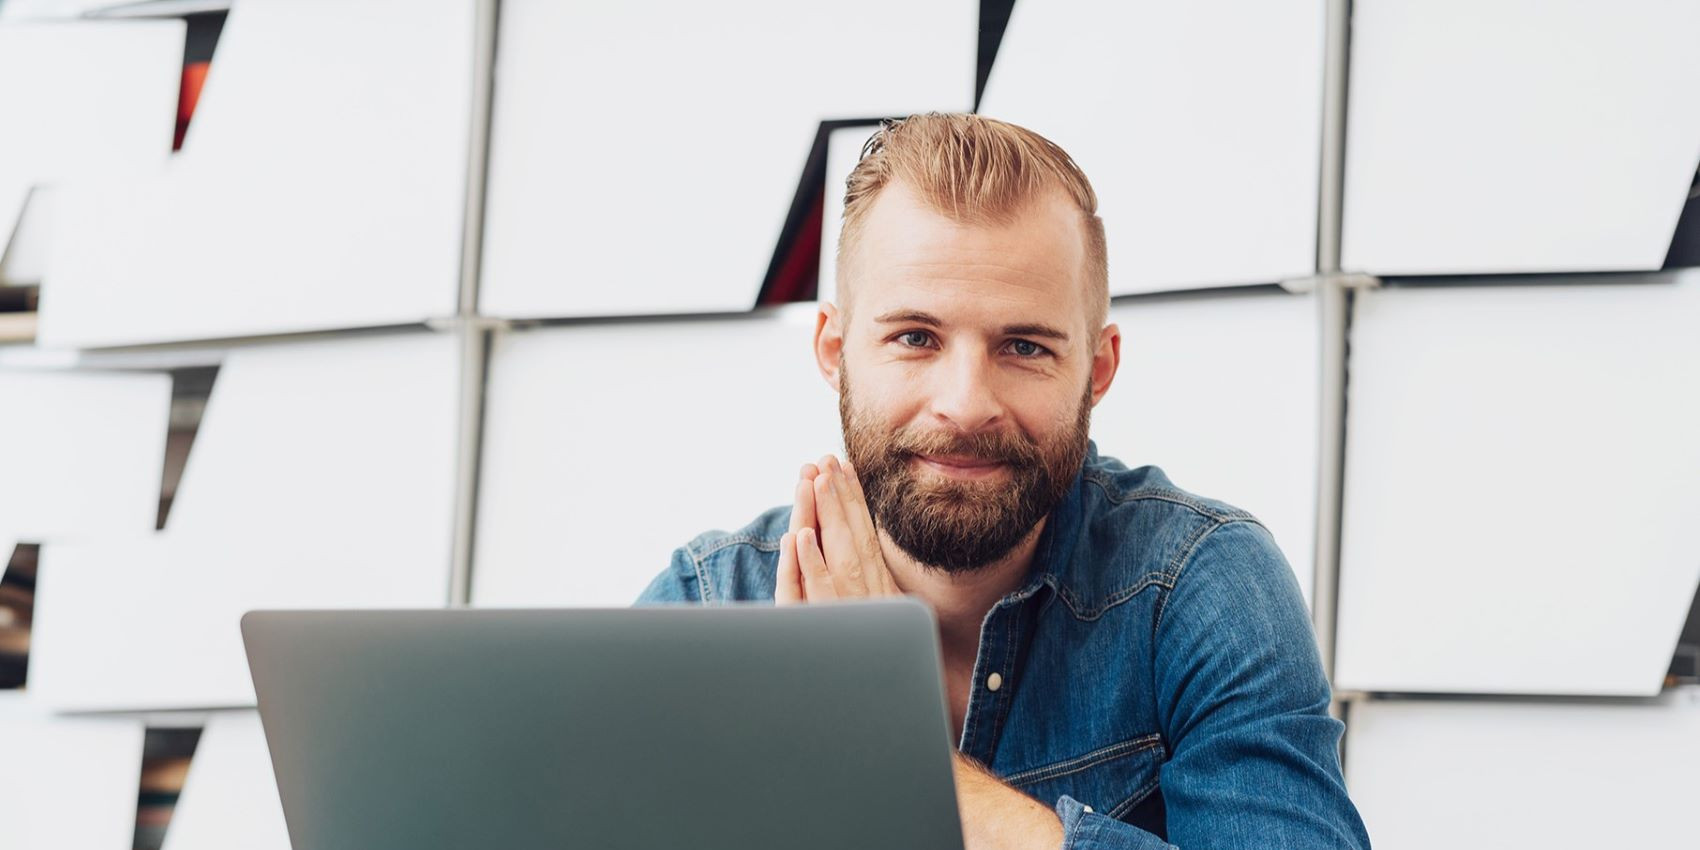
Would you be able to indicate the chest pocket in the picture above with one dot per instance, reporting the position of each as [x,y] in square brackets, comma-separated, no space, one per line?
[1112,780]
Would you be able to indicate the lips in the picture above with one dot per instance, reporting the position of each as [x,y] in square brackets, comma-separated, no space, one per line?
[961,466]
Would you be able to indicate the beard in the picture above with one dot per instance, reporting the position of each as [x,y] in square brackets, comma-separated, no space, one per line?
[956,526]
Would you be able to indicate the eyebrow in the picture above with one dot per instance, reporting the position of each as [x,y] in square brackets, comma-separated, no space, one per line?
[922,318]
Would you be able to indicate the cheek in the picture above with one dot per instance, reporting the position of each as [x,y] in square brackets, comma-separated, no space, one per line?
[885,393]
[1048,415]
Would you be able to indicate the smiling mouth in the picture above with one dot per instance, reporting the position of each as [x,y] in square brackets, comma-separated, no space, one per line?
[957,466]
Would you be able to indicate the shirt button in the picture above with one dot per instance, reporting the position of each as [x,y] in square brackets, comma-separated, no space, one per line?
[993,682]
[1086,809]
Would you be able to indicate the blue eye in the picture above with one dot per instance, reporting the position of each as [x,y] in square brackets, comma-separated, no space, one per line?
[913,339]
[1026,348]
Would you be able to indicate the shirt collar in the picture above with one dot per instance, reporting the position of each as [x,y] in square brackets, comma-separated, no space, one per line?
[1051,556]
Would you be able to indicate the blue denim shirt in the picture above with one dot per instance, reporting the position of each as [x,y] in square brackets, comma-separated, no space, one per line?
[1161,683]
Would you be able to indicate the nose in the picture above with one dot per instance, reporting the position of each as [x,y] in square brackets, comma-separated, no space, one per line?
[963,392]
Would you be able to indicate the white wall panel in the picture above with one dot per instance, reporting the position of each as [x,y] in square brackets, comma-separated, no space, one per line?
[321,477]
[36,9]
[1199,125]
[321,185]
[1522,477]
[81,99]
[593,475]
[87,451]
[1491,136]
[1430,774]
[644,161]
[229,801]
[66,782]
[1221,393]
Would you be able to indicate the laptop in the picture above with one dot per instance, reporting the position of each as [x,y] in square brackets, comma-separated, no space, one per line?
[733,726]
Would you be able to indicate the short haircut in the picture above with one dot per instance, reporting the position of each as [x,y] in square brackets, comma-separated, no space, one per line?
[975,170]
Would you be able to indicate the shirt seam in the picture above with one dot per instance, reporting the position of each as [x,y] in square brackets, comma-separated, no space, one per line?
[1102,755]
[1162,494]
[1182,561]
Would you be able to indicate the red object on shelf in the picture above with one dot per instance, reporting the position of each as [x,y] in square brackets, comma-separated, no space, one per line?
[194,77]
[799,272]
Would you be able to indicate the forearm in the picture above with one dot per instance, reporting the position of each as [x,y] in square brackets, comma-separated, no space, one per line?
[998,817]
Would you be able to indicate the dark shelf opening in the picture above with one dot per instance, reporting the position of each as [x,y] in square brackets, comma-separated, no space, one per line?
[17,610]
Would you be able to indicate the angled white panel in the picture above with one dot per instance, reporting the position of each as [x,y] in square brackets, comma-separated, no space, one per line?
[89,451]
[843,151]
[321,185]
[1489,136]
[80,99]
[67,782]
[1562,776]
[229,801]
[644,162]
[1221,392]
[329,438]
[322,476]
[1197,123]
[23,262]
[591,479]
[1522,478]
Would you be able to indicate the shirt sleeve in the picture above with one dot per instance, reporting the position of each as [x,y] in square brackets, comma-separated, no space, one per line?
[678,583]
[1242,699]
[1084,829]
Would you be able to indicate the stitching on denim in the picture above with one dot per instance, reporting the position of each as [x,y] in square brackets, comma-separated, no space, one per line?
[705,588]
[1138,797]
[1183,560]
[1162,494]
[1082,612]
[1184,555]
[1085,762]
[765,544]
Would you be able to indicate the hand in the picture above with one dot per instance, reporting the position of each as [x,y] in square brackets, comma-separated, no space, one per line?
[832,550]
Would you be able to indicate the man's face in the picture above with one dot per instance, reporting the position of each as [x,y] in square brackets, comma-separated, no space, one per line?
[967,374]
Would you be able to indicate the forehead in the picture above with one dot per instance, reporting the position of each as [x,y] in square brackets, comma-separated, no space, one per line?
[1029,268]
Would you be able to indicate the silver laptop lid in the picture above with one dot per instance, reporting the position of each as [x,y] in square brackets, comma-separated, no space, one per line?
[735,726]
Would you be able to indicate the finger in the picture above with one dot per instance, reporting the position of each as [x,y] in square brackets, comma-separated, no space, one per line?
[857,501]
[803,504]
[838,543]
[788,582]
[817,579]
[862,528]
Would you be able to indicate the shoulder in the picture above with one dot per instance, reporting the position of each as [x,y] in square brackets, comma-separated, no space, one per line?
[724,566]
[1136,530]
[1219,586]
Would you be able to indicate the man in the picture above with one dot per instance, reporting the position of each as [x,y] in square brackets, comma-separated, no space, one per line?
[1127,664]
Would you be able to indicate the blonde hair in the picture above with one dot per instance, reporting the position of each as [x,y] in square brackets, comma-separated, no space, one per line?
[976,170]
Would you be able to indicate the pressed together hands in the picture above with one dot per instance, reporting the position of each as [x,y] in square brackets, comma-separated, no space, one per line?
[832,550]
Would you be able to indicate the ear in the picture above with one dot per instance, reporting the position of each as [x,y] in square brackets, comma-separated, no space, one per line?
[829,343]
[1105,361]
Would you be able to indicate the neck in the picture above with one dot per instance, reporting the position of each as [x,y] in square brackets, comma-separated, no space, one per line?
[961,600]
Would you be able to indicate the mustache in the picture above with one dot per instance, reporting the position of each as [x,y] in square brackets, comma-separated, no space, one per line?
[990,446]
